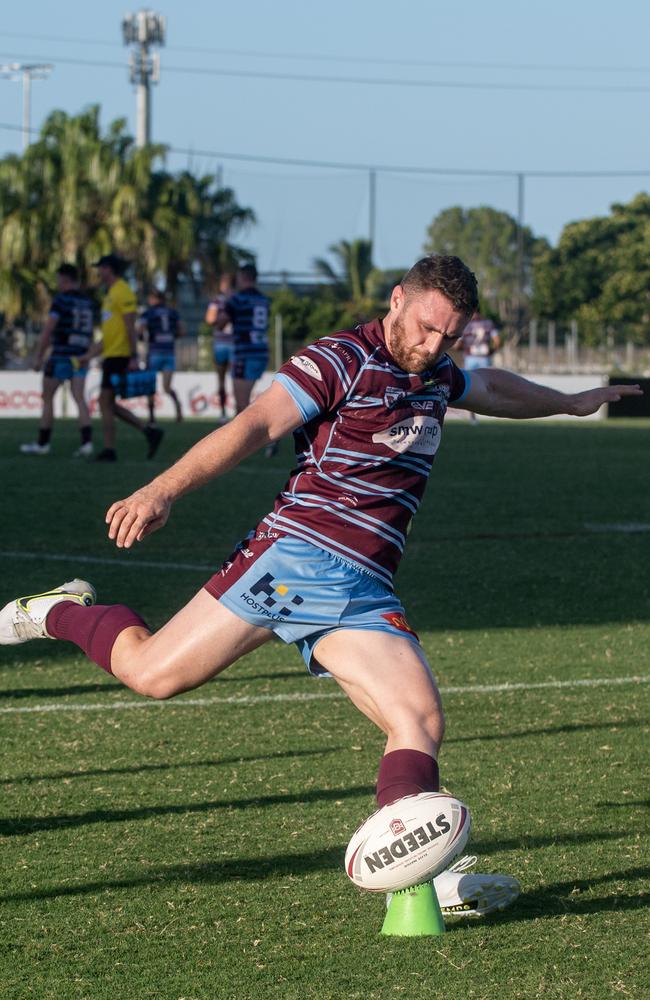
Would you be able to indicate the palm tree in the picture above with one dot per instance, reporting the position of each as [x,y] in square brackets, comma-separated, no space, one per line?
[354,267]
[77,193]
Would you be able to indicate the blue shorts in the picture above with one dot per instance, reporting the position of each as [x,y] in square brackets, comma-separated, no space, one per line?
[249,368]
[161,362]
[222,354]
[471,364]
[63,369]
[302,593]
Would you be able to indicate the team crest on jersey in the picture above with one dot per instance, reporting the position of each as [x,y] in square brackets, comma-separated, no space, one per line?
[307,365]
[393,396]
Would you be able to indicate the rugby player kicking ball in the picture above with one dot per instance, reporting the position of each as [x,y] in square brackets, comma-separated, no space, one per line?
[366,407]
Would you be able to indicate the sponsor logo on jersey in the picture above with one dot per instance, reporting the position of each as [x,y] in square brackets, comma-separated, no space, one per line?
[399,621]
[408,843]
[272,598]
[307,365]
[345,354]
[418,433]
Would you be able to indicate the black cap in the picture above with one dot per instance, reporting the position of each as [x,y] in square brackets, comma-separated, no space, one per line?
[116,264]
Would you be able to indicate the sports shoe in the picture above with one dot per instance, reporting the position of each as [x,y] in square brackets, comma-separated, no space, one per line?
[85,451]
[35,449]
[106,455]
[154,436]
[472,895]
[24,618]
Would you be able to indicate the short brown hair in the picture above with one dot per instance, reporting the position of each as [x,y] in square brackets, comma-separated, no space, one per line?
[448,275]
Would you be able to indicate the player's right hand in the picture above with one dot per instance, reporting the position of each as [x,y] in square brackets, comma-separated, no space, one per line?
[130,520]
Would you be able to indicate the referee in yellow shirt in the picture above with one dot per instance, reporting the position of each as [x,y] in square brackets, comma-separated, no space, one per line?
[119,351]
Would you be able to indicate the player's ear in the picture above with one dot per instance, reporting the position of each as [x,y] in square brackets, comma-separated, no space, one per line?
[397,298]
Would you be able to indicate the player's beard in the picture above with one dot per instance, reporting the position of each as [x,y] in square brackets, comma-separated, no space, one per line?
[408,358]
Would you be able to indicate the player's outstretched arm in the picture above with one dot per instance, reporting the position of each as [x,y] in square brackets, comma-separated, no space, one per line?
[270,417]
[498,393]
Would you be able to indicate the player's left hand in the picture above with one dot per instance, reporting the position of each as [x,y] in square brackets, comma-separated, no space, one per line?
[585,403]
[144,511]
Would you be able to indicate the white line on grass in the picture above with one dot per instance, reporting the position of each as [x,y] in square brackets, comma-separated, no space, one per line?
[102,561]
[135,562]
[257,699]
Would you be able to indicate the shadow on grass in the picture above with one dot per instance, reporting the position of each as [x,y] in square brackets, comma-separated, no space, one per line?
[559,899]
[550,731]
[24,825]
[236,869]
[143,768]
[630,804]
[61,692]
[562,899]
[108,687]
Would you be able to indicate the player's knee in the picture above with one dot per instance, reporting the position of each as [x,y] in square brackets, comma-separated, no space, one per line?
[151,682]
[157,688]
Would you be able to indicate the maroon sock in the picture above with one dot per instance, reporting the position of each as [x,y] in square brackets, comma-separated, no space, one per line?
[406,772]
[93,629]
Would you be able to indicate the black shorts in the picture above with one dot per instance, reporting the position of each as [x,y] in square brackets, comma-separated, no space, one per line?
[113,366]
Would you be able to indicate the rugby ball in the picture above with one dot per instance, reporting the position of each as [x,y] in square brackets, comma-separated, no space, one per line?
[408,842]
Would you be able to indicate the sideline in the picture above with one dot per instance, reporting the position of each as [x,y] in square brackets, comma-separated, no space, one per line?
[258,699]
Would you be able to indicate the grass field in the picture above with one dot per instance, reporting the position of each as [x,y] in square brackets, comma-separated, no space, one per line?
[194,849]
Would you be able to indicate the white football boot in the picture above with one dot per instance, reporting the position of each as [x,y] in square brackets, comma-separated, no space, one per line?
[473,894]
[84,451]
[33,448]
[24,618]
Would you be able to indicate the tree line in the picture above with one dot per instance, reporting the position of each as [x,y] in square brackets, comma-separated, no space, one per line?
[77,193]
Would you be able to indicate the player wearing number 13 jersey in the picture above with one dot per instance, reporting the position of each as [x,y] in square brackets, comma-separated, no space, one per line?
[67,335]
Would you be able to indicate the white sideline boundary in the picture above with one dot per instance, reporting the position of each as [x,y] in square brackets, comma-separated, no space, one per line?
[258,699]
[103,561]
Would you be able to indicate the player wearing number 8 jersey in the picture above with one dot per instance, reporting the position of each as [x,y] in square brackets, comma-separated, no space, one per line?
[248,311]
[367,408]
[67,335]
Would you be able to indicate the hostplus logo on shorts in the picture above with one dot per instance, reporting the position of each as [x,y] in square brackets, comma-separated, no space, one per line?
[270,594]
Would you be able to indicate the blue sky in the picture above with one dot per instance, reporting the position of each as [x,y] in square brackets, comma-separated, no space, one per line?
[477,106]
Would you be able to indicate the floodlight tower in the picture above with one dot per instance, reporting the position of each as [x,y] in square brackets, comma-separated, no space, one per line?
[143,29]
[27,72]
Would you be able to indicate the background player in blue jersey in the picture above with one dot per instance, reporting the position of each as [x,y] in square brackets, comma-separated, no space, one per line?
[67,335]
[161,325]
[248,310]
[221,336]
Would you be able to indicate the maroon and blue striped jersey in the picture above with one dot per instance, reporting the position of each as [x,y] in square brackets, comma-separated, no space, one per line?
[365,450]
